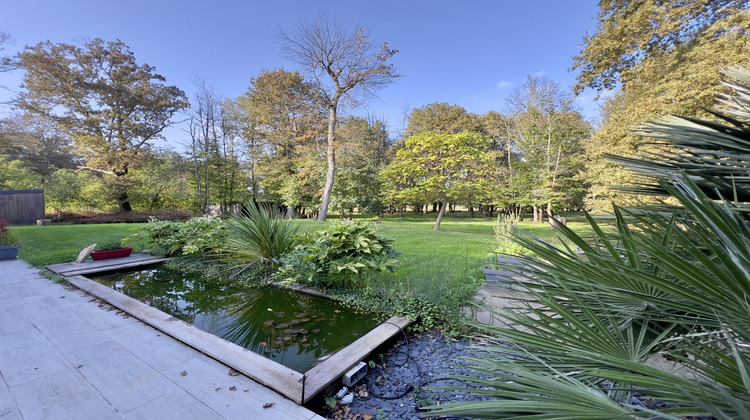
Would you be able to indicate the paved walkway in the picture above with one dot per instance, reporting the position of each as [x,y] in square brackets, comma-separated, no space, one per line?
[65,355]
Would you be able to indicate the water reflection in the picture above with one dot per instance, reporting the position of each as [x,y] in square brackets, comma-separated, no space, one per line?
[291,328]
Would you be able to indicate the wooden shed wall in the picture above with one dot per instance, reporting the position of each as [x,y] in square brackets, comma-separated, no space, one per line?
[22,207]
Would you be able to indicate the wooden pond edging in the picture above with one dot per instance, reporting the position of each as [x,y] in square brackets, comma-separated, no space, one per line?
[298,387]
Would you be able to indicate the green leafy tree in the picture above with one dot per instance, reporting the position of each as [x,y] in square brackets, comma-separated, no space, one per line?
[15,175]
[442,118]
[364,150]
[441,167]
[547,132]
[112,107]
[342,64]
[665,57]
[163,182]
[38,142]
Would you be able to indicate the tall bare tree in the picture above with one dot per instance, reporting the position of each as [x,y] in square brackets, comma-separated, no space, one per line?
[214,150]
[341,64]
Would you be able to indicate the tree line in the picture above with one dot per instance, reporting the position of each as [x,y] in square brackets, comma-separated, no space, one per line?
[92,117]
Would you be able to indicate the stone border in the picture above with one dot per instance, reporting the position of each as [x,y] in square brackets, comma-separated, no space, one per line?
[296,386]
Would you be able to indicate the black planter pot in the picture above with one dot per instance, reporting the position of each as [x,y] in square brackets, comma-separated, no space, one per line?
[8,252]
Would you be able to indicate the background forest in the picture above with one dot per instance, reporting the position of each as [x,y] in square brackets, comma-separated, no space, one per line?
[91,120]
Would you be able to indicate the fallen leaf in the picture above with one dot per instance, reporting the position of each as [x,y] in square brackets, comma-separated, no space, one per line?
[217,389]
[268,405]
[183,373]
[232,388]
[367,416]
[247,390]
[62,297]
[79,366]
[337,311]
[233,372]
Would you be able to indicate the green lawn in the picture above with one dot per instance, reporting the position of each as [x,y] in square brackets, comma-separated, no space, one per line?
[43,245]
[444,267]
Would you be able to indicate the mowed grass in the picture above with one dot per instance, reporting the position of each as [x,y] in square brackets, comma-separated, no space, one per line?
[44,245]
[442,267]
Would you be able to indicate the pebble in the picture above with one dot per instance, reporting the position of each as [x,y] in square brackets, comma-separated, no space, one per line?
[426,359]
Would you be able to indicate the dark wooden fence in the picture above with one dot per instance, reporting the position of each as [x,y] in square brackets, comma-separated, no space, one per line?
[23,207]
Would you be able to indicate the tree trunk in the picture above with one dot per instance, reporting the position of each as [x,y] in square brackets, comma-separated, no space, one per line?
[442,213]
[331,173]
[124,201]
[471,210]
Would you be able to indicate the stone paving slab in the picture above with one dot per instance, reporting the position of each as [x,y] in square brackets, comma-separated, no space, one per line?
[66,355]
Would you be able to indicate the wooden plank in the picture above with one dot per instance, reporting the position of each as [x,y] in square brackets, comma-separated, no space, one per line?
[325,373]
[114,267]
[269,373]
[87,267]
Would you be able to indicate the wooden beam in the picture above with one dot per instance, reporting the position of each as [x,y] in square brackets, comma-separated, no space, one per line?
[325,373]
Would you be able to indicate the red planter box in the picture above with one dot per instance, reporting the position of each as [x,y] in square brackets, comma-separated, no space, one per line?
[115,253]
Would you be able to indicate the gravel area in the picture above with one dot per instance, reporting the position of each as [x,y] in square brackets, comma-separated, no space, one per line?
[388,391]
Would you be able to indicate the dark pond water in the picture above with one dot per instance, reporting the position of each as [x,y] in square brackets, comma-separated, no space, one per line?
[290,328]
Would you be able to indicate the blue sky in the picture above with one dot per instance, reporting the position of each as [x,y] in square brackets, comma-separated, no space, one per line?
[468,53]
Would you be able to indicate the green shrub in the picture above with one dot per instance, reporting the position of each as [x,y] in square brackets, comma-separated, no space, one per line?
[504,236]
[110,246]
[7,236]
[196,236]
[340,255]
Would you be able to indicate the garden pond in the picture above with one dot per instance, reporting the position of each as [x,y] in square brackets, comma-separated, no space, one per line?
[290,328]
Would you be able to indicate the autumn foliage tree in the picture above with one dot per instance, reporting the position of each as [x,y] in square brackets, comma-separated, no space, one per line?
[111,106]
[662,57]
[284,119]
[341,64]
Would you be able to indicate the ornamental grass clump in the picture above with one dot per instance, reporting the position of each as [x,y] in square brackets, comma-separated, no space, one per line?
[258,234]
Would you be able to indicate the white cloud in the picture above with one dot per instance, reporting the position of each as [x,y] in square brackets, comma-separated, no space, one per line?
[504,84]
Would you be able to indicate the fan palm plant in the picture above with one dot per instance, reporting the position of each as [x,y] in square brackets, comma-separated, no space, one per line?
[674,284]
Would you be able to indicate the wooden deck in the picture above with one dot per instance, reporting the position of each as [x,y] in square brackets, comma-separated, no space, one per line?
[67,355]
[296,386]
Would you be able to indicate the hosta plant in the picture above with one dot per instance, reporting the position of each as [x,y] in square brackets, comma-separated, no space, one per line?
[340,255]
